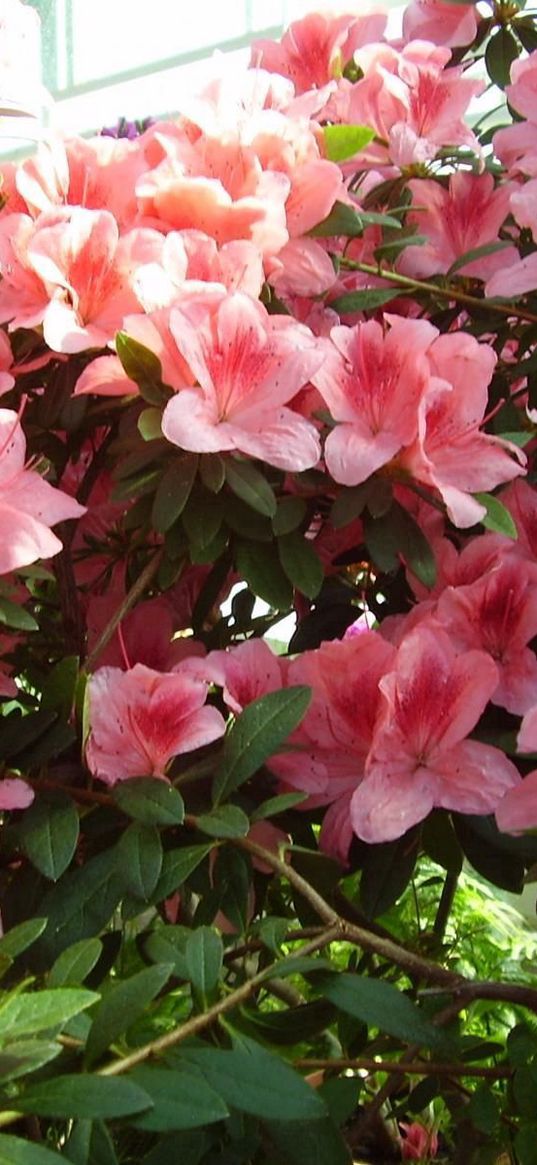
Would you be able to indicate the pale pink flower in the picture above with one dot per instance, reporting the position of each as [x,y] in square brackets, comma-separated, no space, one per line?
[105,376]
[89,271]
[24,297]
[516,147]
[441,23]
[245,672]
[191,257]
[451,453]
[315,49]
[15,794]
[420,758]
[373,383]
[248,366]
[465,216]
[7,380]
[418,1143]
[517,811]
[520,499]
[140,719]
[498,614]
[527,737]
[29,505]
[522,92]
[515,280]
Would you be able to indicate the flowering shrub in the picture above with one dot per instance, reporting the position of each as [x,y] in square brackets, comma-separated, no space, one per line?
[273,359]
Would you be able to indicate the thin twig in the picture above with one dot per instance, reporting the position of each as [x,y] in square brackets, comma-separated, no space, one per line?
[412,1067]
[131,598]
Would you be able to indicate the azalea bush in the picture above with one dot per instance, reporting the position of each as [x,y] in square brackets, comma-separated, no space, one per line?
[268,598]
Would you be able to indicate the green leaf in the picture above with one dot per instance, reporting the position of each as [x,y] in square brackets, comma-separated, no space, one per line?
[142,366]
[279,804]
[257,734]
[204,953]
[202,519]
[397,534]
[60,689]
[232,879]
[22,936]
[173,491]
[260,568]
[139,855]
[439,841]
[497,517]
[527,32]
[74,964]
[344,141]
[367,300]
[177,865]
[290,513]
[386,872]
[49,834]
[477,253]
[181,1097]
[124,1003]
[150,800]
[84,1096]
[525,1144]
[212,470]
[298,965]
[90,1143]
[245,480]
[13,615]
[381,1006]
[343,220]
[310,1143]
[301,564]
[224,821]
[25,1056]
[293,1025]
[167,944]
[150,424]
[254,1080]
[501,51]
[349,505]
[28,1013]
[19,1151]
[81,904]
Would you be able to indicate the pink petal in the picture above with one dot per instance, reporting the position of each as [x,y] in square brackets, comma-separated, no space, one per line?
[517,811]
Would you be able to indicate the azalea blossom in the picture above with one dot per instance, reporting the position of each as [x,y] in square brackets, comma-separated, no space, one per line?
[420,757]
[140,719]
[314,50]
[29,505]
[248,365]
[15,794]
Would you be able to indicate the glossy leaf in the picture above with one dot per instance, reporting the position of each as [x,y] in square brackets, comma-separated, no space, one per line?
[257,734]
[74,964]
[382,1006]
[49,834]
[139,854]
[84,1096]
[181,1098]
[122,1005]
[251,485]
[343,141]
[150,800]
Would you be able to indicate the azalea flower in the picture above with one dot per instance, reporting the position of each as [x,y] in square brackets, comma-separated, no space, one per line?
[29,505]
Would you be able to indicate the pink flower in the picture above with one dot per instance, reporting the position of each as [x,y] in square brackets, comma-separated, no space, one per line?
[373,383]
[522,92]
[23,295]
[89,270]
[29,505]
[527,737]
[248,366]
[7,380]
[244,672]
[517,811]
[314,50]
[418,1143]
[140,719]
[420,758]
[441,23]
[15,794]
[451,454]
[498,614]
[465,216]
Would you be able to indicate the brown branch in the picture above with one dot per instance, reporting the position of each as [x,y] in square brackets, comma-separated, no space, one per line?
[410,1067]
[198,1023]
[136,591]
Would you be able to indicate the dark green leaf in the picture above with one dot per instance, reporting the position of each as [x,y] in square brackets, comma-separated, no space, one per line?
[495,862]
[204,953]
[13,615]
[248,523]
[251,485]
[224,821]
[292,1025]
[527,32]
[257,734]
[167,944]
[182,1099]
[232,877]
[501,51]
[142,366]
[483,1110]
[49,834]
[173,491]
[25,1056]
[275,805]
[349,505]
[343,220]
[18,732]
[90,1143]
[367,300]
[381,1006]
[260,568]
[290,513]
[298,965]
[343,141]
[253,1080]
[84,1096]
[202,519]
[386,872]
[60,688]
[19,1151]
[440,842]
[310,1142]
[122,1005]
[301,564]
[212,471]
[525,1144]
[81,904]
[139,855]
[22,936]
[150,800]
[177,865]
[397,534]
[497,518]
[29,1013]
[74,964]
